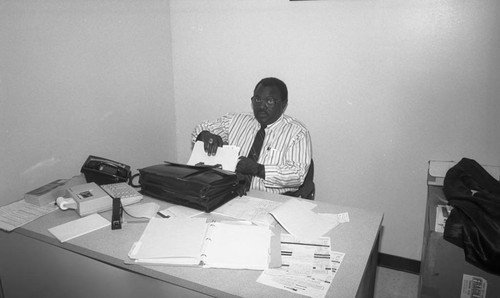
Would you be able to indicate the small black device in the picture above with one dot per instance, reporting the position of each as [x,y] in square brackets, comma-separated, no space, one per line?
[116,218]
[105,171]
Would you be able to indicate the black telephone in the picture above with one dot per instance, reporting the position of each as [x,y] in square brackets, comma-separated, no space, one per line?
[105,171]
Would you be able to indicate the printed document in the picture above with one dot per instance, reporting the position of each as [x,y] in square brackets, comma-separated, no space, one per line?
[227,156]
[21,212]
[308,267]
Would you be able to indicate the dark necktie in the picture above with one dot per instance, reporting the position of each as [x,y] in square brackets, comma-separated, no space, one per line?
[255,151]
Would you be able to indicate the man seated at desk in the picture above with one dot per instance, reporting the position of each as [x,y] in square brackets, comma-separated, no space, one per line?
[275,149]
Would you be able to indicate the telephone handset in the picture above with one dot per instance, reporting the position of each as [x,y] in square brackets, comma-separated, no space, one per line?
[105,171]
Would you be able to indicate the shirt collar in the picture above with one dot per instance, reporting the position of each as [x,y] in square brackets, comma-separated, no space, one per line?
[277,122]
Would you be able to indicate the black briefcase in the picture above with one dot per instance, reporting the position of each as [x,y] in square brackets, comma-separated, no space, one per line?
[203,188]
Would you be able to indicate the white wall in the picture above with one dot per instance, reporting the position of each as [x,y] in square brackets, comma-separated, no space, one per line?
[384,87]
[80,78]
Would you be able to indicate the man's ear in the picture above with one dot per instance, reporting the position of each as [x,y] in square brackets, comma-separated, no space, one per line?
[284,106]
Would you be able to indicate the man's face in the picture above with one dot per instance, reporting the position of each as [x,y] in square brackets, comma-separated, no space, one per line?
[264,112]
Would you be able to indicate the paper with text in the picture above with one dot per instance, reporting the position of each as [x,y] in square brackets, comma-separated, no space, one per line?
[21,212]
[308,267]
[473,286]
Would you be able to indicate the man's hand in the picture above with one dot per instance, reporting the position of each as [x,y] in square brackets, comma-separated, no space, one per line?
[248,166]
[210,141]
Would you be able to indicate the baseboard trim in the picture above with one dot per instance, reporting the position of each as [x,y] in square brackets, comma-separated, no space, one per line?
[398,263]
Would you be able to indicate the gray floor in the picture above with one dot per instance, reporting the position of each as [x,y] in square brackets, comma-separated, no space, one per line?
[395,284]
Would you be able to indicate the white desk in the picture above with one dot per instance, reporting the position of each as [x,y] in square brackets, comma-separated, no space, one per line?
[35,264]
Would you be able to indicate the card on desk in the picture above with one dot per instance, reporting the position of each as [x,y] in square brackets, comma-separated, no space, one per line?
[79,227]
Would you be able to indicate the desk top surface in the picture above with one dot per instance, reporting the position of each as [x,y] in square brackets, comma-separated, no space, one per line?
[355,238]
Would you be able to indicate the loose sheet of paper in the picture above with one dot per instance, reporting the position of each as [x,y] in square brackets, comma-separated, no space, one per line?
[335,219]
[299,220]
[227,156]
[21,212]
[146,210]
[180,211]
[79,227]
[249,208]
[308,267]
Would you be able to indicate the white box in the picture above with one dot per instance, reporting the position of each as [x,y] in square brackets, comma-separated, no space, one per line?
[90,198]
[49,192]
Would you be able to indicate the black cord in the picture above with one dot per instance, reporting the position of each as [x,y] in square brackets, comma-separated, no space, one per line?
[131,181]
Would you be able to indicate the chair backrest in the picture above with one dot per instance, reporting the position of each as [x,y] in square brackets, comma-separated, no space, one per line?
[307,189]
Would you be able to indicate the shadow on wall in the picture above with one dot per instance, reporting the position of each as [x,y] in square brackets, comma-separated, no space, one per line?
[1,289]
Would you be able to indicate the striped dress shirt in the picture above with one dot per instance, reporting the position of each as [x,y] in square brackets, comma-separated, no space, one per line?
[286,152]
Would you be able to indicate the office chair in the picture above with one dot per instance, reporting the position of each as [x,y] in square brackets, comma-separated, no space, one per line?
[307,189]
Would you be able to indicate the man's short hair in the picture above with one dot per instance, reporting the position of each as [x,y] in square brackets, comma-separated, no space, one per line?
[274,82]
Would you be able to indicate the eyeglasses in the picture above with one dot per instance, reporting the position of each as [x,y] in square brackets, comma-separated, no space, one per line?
[269,101]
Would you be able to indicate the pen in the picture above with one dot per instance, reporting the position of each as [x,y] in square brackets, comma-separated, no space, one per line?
[163,215]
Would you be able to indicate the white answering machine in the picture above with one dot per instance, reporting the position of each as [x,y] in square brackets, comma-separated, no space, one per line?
[92,198]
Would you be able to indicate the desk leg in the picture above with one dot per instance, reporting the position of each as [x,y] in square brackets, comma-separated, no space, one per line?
[367,286]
